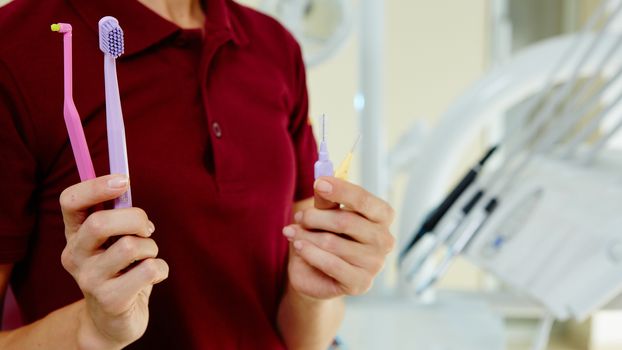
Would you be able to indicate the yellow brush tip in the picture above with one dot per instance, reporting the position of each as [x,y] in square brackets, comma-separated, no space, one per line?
[55,27]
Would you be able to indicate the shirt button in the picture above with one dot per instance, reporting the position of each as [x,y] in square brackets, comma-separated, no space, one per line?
[217,130]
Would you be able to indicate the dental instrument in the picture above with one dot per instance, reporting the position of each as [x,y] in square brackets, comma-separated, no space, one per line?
[541,118]
[344,167]
[513,167]
[111,44]
[437,214]
[72,117]
[477,221]
[323,166]
[433,240]
[513,222]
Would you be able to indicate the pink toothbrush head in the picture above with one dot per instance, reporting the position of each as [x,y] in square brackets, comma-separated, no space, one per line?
[61,28]
[111,44]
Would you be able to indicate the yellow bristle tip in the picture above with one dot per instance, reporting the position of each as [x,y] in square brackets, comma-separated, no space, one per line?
[55,27]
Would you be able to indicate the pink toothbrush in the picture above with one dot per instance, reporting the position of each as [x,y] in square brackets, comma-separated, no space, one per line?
[111,44]
[72,118]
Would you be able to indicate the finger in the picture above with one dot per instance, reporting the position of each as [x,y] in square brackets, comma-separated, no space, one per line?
[77,199]
[351,252]
[102,225]
[355,198]
[115,296]
[148,272]
[353,279]
[124,252]
[339,221]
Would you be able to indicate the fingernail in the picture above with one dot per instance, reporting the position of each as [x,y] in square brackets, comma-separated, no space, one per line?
[150,228]
[117,182]
[288,232]
[298,245]
[298,217]
[323,186]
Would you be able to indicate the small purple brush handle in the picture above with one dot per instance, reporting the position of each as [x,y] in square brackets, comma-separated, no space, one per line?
[323,167]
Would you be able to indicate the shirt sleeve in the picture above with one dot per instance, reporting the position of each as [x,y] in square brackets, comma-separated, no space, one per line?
[305,147]
[17,172]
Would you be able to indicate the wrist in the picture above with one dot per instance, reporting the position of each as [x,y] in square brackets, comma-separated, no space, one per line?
[306,322]
[293,296]
[88,335]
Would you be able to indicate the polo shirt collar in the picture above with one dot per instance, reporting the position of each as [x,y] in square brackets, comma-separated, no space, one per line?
[144,28]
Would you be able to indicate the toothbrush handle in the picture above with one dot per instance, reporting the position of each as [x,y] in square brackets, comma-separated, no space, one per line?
[78,142]
[117,151]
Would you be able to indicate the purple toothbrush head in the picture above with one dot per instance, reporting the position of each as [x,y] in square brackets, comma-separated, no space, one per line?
[110,37]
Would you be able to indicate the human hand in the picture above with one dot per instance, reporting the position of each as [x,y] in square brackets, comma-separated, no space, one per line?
[338,251]
[116,281]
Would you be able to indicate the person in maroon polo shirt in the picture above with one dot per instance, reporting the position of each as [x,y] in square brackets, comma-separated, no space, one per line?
[221,155]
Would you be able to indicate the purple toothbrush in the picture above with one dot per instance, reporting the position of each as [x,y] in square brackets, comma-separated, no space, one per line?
[111,44]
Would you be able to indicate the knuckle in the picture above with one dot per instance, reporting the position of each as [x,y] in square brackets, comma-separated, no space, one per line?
[364,202]
[307,216]
[126,247]
[368,282]
[356,290]
[154,247]
[333,266]
[377,265]
[352,290]
[150,269]
[389,212]
[86,281]
[67,198]
[94,224]
[388,242]
[140,213]
[328,242]
[342,222]
[67,259]
[363,287]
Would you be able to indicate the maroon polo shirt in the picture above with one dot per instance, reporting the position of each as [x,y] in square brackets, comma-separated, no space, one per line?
[219,148]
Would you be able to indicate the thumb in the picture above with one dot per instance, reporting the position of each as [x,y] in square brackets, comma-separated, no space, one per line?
[76,200]
[319,201]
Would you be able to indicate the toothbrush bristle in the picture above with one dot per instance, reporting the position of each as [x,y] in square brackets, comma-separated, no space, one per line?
[110,37]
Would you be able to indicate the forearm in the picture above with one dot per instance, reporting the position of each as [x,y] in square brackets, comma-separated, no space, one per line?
[66,328]
[308,324]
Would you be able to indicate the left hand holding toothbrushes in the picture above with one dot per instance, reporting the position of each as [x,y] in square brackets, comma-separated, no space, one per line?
[339,251]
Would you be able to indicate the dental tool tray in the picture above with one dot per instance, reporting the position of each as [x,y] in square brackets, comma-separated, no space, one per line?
[557,235]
